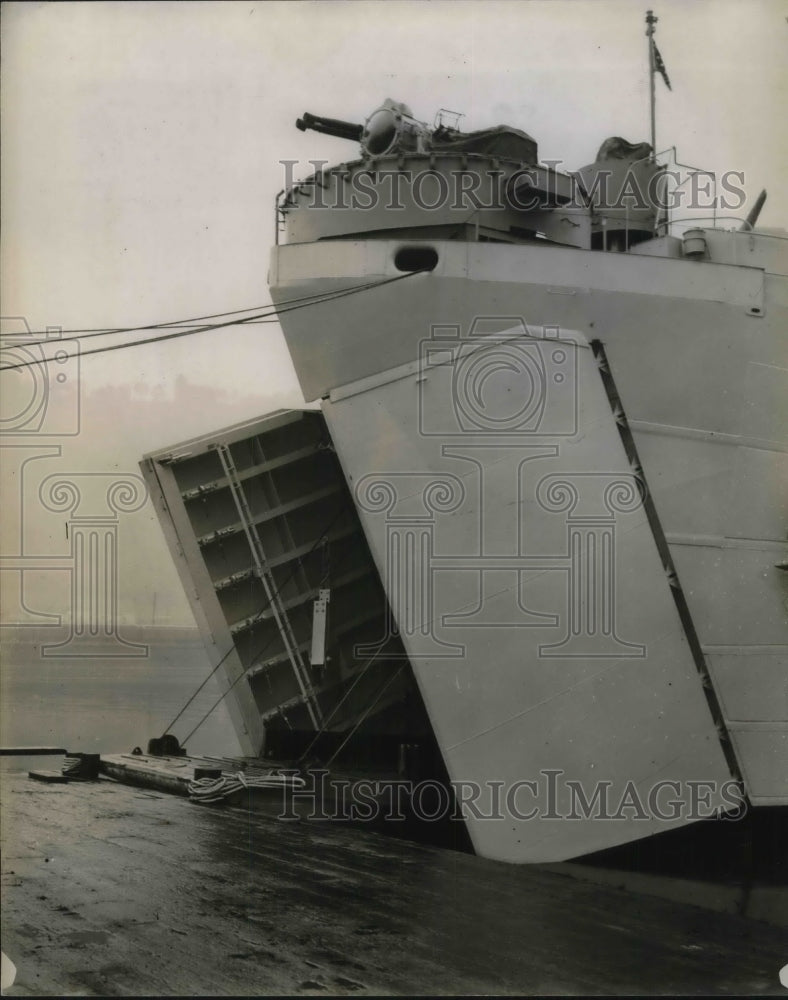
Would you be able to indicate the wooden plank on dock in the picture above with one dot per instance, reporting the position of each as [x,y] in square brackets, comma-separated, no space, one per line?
[173,774]
[165,774]
[49,777]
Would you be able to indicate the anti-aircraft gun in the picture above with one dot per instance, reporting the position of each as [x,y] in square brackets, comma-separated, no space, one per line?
[391,128]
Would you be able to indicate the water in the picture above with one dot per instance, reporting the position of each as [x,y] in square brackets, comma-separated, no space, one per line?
[109,705]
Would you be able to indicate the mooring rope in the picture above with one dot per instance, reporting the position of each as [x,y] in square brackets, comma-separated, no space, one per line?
[207,791]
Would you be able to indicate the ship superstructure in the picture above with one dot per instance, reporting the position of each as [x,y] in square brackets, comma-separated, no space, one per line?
[536,527]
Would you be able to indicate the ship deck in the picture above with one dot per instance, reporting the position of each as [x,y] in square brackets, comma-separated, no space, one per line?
[115,890]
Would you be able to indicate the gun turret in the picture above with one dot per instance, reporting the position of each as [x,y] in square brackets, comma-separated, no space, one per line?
[392,128]
[330,126]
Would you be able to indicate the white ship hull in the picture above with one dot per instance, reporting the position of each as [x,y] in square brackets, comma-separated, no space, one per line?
[564,629]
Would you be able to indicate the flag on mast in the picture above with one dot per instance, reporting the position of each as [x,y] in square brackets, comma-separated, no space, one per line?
[659,65]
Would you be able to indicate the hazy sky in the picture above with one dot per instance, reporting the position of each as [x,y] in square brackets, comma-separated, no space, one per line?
[140,160]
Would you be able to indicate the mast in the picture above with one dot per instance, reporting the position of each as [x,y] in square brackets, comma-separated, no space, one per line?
[651,21]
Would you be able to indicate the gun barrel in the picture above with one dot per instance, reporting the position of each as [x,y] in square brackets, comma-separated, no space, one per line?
[330,126]
[755,211]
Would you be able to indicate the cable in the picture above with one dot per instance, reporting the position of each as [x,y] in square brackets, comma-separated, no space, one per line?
[221,698]
[207,791]
[180,322]
[108,331]
[119,347]
[300,303]
[259,653]
[328,297]
[298,562]
[372,704]
[210,675]
[340,703]
[90,334]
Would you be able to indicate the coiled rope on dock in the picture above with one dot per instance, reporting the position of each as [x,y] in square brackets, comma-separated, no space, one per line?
[211,790]
[81,766]
[71,766]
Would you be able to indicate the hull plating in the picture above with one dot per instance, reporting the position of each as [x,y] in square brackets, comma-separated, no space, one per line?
[544,623]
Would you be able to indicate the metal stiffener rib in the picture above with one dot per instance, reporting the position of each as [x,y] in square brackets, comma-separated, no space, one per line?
[279,612]
[663,548]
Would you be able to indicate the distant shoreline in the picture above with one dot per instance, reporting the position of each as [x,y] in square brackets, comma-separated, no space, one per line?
[33,635]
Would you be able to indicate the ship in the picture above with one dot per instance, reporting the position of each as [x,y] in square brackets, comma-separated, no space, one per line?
[527,542]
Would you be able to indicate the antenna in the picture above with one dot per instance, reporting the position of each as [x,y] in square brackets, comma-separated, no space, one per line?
[651,21]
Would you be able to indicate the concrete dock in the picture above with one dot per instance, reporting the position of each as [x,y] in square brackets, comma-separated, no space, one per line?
[113,890]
